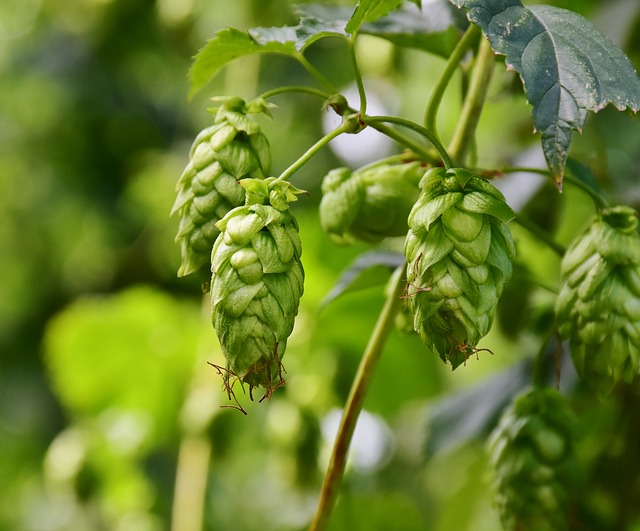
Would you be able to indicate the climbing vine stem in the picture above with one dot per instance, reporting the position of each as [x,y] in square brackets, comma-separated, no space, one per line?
[354,403]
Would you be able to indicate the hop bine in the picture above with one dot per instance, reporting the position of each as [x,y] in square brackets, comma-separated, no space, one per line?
[459,253]
[232,149]
[535,469]
[257,283]
[371,203]
[598,308]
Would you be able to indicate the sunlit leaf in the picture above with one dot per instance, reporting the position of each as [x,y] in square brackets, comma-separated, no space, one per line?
[130,351]
[567,65]
[229,44]
[369,270]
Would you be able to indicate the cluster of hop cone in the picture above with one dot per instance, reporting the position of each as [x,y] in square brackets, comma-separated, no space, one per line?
[238,233]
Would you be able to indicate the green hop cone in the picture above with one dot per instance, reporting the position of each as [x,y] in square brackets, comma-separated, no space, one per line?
[257,282]
[233,148]
[598,308]
[371,203]
[459,253]
[534,465]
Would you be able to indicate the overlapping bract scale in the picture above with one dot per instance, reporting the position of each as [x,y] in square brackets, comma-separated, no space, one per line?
[535,470]
[598,308]
[232,149]
[257,282]
[371,203]
[459,252]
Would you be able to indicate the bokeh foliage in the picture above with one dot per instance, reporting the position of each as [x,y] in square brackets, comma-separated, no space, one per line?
[105,391]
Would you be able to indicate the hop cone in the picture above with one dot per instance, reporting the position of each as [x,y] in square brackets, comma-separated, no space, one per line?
[598,307]
[257,282]
[535,469]
[459,254]
[231,149]
[371,203]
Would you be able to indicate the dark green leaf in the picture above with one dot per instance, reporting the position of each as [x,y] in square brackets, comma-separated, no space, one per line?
[370,269]
[435,29]
[567,65]
[368,11]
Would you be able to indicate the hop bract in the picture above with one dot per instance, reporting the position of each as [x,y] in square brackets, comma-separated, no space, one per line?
[459,253]
[534,465]
[598,308]
[371,203]
[257,282]
[233,148]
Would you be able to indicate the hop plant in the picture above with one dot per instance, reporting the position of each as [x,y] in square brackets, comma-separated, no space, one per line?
[257,282]
[371,203]
[598,308]
[459,253]
[534,466]
[232,149]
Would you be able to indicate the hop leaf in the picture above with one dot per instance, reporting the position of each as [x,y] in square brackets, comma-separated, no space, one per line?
[598,308]
[369,204]
[231,149]
[257,282]
[534,465]
[459,253]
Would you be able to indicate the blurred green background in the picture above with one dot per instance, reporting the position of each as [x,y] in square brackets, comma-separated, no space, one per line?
[110,417]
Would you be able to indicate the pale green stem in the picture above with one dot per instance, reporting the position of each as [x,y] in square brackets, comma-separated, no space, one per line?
[423,131]
[359,389]
[473,103]
[344,127]
[599,201]
[315,73]
[191,483]
[452,65]
[300,89]
[362,94]
[424,153]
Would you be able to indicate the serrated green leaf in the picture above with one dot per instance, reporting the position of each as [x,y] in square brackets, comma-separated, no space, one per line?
[567,66]
[368,11]
[229,44]
[369,270]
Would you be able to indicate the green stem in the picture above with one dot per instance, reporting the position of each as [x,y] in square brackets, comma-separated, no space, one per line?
[362,94]
[345,127]
[540,234]
[599,201]
[452,65]
[315,73]
[423,131]
[301,88]
[399,158]
[359,388]
[473,103]
[191,483]
[424,153]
